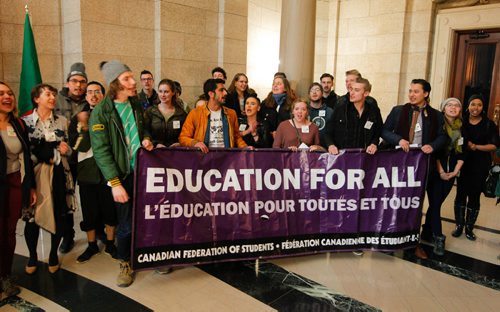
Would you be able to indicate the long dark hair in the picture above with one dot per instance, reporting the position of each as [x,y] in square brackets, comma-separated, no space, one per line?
[171,85]
[232,86]
[271,103]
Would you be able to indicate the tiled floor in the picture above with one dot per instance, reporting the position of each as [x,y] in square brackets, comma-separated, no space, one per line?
[321,282]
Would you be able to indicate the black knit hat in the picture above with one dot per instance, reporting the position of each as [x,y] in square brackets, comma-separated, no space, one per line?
[475,97]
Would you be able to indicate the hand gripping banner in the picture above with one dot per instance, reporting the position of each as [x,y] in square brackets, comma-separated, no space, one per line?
[193,208]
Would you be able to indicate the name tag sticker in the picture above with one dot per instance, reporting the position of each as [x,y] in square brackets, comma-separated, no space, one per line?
[10,131]
[368,125]
[461,141]
[177,124]
[243,127]
[305,129]
[322,113]
[418,128]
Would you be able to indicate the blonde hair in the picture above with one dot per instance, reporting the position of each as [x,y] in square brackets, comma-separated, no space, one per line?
[299,100]
[366,84]
[353,72]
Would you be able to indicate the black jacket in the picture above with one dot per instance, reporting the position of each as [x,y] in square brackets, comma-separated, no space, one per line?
[233,102]
[148,102]
[273,117]
[349,130]
[163,131]
[87,170]
[265,139]
[331,100]
[345,99]
[432,129]
[28,182]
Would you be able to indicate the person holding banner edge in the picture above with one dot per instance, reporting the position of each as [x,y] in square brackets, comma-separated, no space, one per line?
[298,132]
[212,125]
[416,123]
[319,112]
[254,131]
[356,123]
[164,121]
[116,133]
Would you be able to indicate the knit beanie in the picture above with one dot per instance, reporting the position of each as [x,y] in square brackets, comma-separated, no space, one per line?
[112,69]
[475,97]
[77,69]
[448,100]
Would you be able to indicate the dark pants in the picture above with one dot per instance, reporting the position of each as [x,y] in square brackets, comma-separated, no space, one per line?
[469,187]
[8,221]
[124,216]
[70,223]
[437,191]
[69,231]
[98,206]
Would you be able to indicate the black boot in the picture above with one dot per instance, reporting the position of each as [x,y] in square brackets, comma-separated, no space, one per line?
[469,233]
[472,214]
[459,220]
[439,244]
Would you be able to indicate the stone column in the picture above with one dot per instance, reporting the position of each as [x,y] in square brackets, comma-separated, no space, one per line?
[298,23]
[71,27]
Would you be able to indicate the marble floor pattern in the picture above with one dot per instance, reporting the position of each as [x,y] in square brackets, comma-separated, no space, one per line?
[467,278]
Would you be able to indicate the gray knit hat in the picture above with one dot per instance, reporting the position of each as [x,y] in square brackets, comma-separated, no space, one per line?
[112,69]
[448,100]
[77,69]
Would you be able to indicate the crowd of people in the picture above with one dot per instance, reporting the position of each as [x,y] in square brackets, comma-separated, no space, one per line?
[88,136]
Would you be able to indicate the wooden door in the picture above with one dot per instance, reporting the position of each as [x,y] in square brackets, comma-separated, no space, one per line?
[476,67]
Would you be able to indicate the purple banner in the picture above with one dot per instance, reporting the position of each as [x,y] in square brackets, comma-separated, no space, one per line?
[238,204]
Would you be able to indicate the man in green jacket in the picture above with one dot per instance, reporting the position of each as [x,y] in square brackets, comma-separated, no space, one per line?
[116,133]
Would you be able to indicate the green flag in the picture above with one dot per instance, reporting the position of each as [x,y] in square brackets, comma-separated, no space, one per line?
[30,72]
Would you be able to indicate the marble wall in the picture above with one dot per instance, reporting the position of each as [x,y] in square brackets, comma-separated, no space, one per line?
[46,24]
[327,18]
[181,40]
[389,41]
[264,28]
[264,24]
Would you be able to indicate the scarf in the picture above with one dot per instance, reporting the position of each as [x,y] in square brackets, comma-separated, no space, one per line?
[454,133]
[403,127]
[280,99]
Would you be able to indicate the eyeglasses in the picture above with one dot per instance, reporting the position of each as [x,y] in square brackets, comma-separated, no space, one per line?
[96,92]
[315,90]
[454,105]
[146,79]
[76,81]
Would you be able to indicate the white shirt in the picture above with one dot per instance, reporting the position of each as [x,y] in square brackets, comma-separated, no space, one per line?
[216,138]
